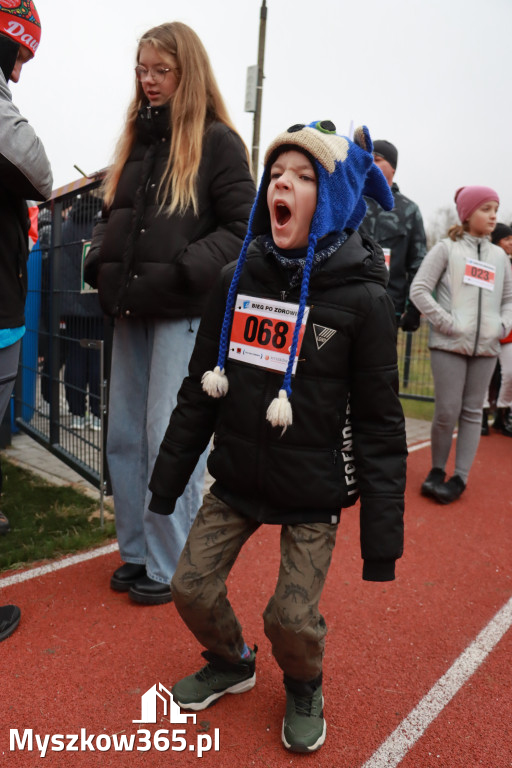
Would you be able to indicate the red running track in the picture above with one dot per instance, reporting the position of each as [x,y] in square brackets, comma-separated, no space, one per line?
[417,672]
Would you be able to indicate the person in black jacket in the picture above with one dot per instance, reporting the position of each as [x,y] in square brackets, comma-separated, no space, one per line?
[81,316]
[25,174]
[302,399]
[401,234]
[177,202]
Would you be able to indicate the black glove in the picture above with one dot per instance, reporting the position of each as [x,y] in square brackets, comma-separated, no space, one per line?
[410,320]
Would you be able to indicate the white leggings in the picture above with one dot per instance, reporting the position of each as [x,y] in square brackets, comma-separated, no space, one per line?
[460,384]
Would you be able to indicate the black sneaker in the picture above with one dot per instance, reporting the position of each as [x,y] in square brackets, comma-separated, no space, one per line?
[450,491]
[200,690]
[9,619]
[434,479]
[304,725]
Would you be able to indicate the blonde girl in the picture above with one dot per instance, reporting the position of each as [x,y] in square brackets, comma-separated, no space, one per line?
[177,200]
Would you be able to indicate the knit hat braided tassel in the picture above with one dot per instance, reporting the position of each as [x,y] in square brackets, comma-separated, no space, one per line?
[279,412]
[215,383]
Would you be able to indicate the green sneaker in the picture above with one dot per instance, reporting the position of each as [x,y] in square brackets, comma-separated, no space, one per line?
[218,677]
[304,724]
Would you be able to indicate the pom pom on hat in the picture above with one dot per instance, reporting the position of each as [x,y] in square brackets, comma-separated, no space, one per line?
[468,199]
[279,412]
[215,383]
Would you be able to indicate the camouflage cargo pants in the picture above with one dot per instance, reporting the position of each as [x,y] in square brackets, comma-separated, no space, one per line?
[292,620]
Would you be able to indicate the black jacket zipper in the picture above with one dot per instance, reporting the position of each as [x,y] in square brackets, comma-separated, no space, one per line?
[479,313]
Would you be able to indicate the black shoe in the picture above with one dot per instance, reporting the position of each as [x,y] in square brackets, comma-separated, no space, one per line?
[147,591]
[485,424]
[4,524]
[450,491]
[10,616]
[498,420]
[126,576]
[434,478]
[503,422]
[506,428]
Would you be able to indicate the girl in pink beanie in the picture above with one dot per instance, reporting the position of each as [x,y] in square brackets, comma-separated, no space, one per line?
[464,288]
[468,199]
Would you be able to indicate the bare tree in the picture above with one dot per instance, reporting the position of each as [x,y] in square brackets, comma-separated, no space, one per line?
[439,224]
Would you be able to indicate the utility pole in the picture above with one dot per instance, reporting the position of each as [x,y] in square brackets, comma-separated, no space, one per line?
[254,91]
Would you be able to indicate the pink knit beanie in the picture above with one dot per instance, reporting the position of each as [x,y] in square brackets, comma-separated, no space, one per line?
[468,199]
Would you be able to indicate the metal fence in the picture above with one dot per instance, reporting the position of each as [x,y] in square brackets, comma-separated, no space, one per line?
[416,382]
[60,396]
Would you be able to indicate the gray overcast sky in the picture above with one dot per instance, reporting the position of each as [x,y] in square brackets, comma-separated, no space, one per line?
[432,76]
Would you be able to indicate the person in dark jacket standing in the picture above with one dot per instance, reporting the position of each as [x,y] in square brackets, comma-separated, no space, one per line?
[501,380]
[25,174]
[306,298]
[177,202]
[464,289]
[401,234]
[81,316]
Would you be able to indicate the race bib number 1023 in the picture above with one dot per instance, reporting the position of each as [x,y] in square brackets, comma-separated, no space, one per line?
[262,332]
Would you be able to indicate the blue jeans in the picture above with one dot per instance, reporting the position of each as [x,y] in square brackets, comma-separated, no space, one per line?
[149,362]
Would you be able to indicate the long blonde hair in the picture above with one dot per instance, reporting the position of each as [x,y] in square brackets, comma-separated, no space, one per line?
[196,102]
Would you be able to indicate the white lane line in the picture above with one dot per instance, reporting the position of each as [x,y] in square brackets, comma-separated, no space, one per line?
[417,447]
[403,738]
[34,573]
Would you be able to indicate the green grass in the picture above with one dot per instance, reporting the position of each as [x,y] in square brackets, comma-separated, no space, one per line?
[417,409]
[47,521]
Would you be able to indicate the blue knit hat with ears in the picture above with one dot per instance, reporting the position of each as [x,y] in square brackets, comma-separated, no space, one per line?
[345,174]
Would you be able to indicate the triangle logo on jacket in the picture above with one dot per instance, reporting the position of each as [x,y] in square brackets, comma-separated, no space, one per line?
[322,335]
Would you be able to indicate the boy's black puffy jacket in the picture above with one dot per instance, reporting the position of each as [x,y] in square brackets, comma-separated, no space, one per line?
[307,474]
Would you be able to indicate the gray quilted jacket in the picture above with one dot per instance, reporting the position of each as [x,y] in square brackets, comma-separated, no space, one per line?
[464,318]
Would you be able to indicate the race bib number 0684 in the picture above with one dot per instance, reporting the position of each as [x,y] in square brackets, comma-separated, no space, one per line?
[262,332]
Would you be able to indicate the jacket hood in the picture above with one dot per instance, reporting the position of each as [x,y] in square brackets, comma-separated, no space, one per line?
[359,258]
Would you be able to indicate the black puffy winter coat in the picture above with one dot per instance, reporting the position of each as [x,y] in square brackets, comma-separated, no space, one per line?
[148,264]
[401,231]
[324,460]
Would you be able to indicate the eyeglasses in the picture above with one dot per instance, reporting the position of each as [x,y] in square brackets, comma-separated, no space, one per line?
[157,74]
